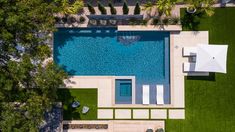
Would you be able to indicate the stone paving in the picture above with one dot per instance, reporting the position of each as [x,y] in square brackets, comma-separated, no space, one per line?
[105,113]
[177,114]
[158,114]
[122,113]
[140,113]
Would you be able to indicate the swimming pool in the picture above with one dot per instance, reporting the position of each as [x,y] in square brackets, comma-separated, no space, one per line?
[106,51]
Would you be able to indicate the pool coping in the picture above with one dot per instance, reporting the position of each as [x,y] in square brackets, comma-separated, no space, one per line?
[149,28]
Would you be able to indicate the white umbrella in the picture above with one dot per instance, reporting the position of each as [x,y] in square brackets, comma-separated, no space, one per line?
[211,58]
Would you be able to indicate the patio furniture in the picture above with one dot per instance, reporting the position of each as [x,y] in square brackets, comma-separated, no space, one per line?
[75,104]
[189,67]
[160,94]
[85,109]
[211,58]
[145,94]
[189,51]
[192,59]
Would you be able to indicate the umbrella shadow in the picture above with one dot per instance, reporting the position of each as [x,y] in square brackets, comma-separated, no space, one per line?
[211,77]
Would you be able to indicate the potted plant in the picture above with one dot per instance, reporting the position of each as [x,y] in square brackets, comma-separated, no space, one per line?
[191,9]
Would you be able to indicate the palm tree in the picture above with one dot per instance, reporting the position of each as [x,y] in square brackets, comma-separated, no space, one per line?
[202,5]
[68,8]
[162,6]
[207,7]
[148,7]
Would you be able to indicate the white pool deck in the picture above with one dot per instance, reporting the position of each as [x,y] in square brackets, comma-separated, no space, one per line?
[119,125]
[106,84]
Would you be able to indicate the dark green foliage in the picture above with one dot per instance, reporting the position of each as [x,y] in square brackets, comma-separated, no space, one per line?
[165,21]
[125,8]
[102,8]
[112,9]
[64,19]
[27,85]
[174,20]
[156,21]
[137,9]
[91,8]
[57,19]
[71,19]
[82,19]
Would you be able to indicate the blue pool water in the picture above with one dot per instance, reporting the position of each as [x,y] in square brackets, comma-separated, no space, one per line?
[123,91]
[106,51]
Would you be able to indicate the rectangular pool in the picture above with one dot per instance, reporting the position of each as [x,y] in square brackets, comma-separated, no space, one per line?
[108,52]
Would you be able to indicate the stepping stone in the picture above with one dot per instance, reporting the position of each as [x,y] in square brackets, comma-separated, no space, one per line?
[105,113]
[177,114]
[122,113]
[140,114]
[158,114]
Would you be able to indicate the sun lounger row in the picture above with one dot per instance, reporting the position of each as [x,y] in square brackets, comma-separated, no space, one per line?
[159,96]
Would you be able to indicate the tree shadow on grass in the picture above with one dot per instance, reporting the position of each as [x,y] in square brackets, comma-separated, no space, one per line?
[211,77]
[67,99]
[191,21]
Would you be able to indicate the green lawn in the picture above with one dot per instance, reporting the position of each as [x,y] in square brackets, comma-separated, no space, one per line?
[210,103]
[87,97]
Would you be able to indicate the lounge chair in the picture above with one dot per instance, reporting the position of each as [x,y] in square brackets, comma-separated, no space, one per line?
[189,67]
[160,94]
[189,51]
[145,94]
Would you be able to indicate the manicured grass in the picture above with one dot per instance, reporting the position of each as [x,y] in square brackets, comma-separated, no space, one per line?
[87,97]
[210,102]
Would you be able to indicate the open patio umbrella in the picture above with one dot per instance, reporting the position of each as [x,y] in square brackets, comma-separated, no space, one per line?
[211,58]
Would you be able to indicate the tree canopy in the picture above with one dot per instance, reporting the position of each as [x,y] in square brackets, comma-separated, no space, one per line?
[27,84]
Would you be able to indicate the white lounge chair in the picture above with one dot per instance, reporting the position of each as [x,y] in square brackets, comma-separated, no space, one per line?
[145,94]
[189,67]
[189,51]
[160,94]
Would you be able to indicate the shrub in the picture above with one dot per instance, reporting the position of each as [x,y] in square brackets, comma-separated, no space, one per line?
[137,9]
[125,8]
[174,20]
[57,19]
[165,21]
[82,19]
[64,19]
[91,8]
[155,21]
[133,21]
[112,9]
[71,19]
[143,22]
[101,8]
